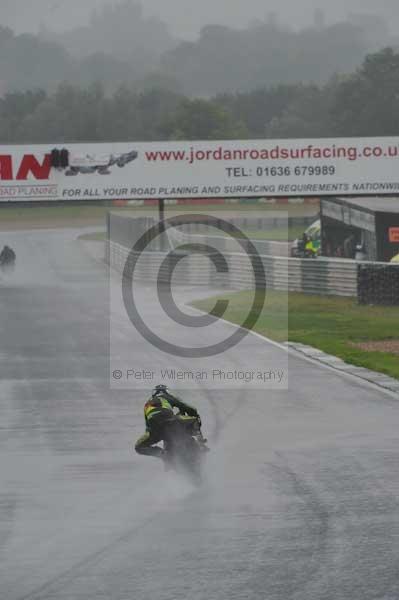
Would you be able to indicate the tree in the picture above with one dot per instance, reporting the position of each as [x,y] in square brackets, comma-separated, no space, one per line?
[29,63]
[306,115]
[122,32]
[256,109]
[225,60]
[367,102]
[15,108]
[202,120]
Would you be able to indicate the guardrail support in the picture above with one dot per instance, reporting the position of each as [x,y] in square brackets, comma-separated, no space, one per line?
[161,209]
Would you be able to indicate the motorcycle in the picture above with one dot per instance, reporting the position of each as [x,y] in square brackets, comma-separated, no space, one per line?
[7,261]
[185,448]
[7,268]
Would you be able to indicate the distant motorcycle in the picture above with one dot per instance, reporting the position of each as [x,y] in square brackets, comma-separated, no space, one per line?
[185,448]
[7,260]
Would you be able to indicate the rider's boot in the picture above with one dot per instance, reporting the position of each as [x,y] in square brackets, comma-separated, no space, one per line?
[197,431]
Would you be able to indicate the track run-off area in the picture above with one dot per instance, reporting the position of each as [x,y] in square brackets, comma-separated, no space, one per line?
[300,497]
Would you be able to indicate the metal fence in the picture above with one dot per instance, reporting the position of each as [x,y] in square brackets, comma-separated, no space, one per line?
[378,283]
[322,276]
[327,277]
[267,223]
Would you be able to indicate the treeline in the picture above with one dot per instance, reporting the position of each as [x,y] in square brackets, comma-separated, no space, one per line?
[267,53]
[363,103]
[121,45]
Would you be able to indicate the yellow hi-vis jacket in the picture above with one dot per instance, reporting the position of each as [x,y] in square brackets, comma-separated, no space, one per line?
[159,404]
[155,406]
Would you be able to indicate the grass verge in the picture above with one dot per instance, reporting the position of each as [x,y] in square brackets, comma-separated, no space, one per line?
[97,236]
[277,234]
[330,323]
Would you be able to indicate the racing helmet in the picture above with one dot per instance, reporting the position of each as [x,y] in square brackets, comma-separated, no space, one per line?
[159,390]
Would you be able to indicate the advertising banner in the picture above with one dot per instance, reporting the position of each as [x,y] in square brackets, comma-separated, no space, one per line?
[212,169]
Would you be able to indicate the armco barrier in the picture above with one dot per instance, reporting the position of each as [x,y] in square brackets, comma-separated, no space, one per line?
[333,277]
[375,283]
[193,270]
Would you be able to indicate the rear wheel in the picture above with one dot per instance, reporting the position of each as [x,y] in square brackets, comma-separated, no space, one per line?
[184,452]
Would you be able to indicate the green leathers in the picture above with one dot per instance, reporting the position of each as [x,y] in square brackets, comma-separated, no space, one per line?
[158,411]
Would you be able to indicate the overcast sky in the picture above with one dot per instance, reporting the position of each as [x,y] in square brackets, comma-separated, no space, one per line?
[186,17]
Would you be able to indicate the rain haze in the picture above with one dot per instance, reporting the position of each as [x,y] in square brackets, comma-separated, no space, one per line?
[199,375]
[24,15]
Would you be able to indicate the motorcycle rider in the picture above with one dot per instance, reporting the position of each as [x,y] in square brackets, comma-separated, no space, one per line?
[158,411]
[7,256]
